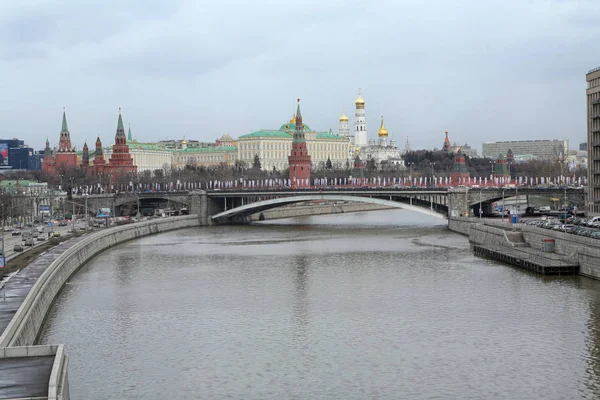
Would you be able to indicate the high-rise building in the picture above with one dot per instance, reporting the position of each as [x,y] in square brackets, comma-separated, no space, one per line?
[360,125]
[583,146]
[593,139]
[543,149]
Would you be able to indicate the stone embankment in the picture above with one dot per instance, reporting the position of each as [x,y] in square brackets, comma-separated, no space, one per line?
[317,209]
[570,248]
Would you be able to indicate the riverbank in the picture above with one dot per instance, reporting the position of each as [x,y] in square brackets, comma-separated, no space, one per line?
[572,249]
[29,294]
[316,209]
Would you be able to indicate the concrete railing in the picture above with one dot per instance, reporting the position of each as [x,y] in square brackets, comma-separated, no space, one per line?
[25,326]
[58,385]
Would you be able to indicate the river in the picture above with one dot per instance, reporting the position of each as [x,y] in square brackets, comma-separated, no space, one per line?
[375,305]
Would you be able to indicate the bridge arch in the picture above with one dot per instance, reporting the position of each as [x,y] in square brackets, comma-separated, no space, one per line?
[253,208]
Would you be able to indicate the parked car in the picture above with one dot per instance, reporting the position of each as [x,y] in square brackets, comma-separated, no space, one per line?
[56,234]
[18,248]
[16,233]
[41,238]
[29,242]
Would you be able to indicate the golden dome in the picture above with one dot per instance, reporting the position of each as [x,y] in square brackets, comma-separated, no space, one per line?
[382,131]
[293,120]
[343,118]
[360,100]
[184,141]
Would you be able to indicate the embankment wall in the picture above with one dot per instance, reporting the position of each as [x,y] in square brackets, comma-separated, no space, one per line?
[585,250]
[25,326]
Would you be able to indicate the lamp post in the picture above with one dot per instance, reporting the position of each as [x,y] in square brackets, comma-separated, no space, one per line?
[432,169]
[502,204]
[3,264]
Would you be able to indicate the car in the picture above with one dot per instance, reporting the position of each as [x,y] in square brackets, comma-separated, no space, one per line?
[56,234]
[35,235]
[7,229]
[29,242]
[41,238]
[16,233]
[18,248]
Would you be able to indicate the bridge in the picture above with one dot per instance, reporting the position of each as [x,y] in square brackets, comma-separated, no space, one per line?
[220,206]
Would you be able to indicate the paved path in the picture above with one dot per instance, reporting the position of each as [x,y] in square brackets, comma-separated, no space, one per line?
[29,376]
[24,378]
[16,289]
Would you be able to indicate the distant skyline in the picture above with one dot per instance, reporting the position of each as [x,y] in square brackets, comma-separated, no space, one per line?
[486,71]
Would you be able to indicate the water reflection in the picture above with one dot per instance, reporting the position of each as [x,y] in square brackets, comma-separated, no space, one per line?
[351,307]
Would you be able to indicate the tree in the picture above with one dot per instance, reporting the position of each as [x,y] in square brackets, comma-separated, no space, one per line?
[256,162]
[328,163]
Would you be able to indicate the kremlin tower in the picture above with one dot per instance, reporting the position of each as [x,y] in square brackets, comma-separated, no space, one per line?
[99,161]
[501,168]
[65,156]
[360,126]
[85,157]
[121,162]
[459,171]
[299,160]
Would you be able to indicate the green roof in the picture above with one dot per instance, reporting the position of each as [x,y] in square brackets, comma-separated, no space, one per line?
[327,135]
[268,133]
[210,149]
[145,146]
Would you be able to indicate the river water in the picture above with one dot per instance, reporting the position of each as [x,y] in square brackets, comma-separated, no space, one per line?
[376,305]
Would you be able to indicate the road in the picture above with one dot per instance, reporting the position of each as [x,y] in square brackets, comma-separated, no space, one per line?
[10,241]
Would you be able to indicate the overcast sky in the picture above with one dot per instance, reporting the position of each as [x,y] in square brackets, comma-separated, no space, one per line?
[486,70]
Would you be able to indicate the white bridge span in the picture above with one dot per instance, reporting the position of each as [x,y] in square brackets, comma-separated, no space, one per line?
[253,208]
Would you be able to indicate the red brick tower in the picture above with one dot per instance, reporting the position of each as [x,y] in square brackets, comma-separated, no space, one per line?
[48,162]
[85,157]
[99,162]
[459,169]
[121,162]
[299,160]
[65,155]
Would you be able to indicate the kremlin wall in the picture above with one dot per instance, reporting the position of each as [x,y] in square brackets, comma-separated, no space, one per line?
[293,145]
[125,155]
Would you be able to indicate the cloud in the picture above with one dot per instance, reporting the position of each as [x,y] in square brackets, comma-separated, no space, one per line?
[483,70]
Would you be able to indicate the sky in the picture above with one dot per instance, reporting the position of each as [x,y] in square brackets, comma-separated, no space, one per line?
[485,70]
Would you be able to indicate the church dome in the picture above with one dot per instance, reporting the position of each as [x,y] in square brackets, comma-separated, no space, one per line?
[359,100]
[382,131]
[343,118]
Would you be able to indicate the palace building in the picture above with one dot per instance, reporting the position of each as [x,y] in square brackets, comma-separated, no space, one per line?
[273,147]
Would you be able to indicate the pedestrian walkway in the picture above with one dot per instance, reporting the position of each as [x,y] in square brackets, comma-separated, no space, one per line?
[26,377]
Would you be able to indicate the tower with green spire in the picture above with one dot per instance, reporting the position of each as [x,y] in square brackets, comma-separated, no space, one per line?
[64,145]
[65,156]
[299,160]
[501,167]
[121,161]
[129,137]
